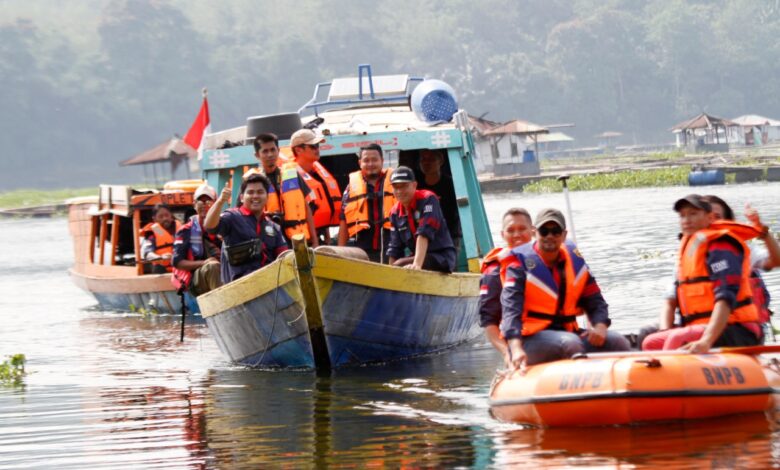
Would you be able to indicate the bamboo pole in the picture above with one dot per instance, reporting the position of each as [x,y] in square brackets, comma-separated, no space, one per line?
[311,298]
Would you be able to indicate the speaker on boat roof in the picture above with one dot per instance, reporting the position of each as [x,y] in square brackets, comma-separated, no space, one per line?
[434,100]
[283,125]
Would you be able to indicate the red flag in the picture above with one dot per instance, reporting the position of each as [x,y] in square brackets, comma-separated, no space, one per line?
[200,126]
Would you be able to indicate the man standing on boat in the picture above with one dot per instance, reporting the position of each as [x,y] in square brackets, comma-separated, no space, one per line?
[431,164]
[516,229]
[713,284]
[250,240]
[157,247]
[366,205]
[288,194]
[196,252]
[305,146]
[546,286]
[418,225]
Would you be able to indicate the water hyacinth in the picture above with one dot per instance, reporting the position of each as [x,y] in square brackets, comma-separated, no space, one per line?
[677,176]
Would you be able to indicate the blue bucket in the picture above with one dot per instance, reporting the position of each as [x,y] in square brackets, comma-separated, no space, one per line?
[706,177]
[528,156]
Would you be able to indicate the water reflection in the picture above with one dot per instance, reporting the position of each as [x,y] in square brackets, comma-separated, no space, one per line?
[108,390]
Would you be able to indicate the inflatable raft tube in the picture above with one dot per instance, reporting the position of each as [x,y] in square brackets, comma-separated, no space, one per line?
[625,388]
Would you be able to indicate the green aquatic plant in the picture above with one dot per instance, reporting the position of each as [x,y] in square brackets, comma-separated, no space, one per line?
[12,370]
[677,176]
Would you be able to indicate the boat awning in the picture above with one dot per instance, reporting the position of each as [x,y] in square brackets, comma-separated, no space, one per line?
[173,150]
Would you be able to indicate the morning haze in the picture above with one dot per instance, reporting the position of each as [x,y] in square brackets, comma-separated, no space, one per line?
[86,84]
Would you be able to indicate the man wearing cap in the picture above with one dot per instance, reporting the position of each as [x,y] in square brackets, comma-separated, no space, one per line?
[713,280]
[305,146]
[195,251]
[547,284]
[288,194]
[366,205]
[417,224]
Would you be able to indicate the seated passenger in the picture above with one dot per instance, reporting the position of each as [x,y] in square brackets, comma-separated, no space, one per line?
[366,205]
[546,286]
[714,288]
[516,229]
[250,240]
[417,225]
[431,164]
[157,246]
[196,252]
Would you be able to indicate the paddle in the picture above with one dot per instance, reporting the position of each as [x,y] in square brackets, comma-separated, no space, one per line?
[183,315]
[563,179]
[760,349]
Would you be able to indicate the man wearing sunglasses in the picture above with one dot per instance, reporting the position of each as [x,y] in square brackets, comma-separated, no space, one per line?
[547,284]
[305,145]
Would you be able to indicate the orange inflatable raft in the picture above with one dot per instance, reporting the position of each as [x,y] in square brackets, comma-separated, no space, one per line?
[623,388]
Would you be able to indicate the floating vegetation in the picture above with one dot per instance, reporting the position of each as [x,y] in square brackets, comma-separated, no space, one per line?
[12,370]
[624,179]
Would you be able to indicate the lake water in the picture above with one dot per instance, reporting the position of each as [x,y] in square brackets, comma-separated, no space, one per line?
[106,390]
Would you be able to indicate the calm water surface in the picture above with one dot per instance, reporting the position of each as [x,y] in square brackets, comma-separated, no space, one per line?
[107,390]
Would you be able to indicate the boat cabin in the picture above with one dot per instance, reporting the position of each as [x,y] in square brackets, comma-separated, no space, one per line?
[114,220]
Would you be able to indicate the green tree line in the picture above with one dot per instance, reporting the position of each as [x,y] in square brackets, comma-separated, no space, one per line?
[88,83]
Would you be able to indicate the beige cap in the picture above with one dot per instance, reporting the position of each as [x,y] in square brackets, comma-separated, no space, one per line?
[550,215]
[305,137]
[205,190]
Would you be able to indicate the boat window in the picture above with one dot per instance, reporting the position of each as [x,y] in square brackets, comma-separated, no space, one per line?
[340,166]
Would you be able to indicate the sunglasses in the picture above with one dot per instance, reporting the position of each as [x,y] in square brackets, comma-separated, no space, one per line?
[544,231]
[315,146]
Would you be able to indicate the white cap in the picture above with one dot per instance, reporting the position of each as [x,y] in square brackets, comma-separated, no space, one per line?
[205,190]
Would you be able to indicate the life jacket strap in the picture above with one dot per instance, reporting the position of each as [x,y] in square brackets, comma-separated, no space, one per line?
[699,315]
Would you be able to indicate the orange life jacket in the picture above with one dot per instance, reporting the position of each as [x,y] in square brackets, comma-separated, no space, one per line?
[163,241]
[326,195]
[695,288]
[542,306]
[493,258]
[356,210]
[291,207]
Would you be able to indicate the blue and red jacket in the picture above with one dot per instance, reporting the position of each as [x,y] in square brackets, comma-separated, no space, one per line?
[424,219]
[192,243]
[238,225]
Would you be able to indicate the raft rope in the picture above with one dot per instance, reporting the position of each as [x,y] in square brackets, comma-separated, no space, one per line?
[276,299]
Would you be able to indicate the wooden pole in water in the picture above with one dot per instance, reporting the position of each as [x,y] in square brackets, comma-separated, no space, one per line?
[311,297]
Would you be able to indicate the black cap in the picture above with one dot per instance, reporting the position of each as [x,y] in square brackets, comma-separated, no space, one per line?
[694,200]
[550,215]
[402,174]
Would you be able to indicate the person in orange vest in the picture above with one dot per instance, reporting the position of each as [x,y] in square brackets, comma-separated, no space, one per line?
[288,194]
[547,284]
[516,229]
[713,281]
[366,205]
[305,146]
[196,252]
[157,247]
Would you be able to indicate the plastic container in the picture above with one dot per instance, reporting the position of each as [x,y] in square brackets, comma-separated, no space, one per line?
[528,156]
[434,100]
[706,177]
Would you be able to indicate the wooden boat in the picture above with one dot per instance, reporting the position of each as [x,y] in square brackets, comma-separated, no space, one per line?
[343,311]
[107,249]
[624,388]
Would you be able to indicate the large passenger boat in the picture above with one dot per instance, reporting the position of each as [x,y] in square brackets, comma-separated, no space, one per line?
[319,308]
